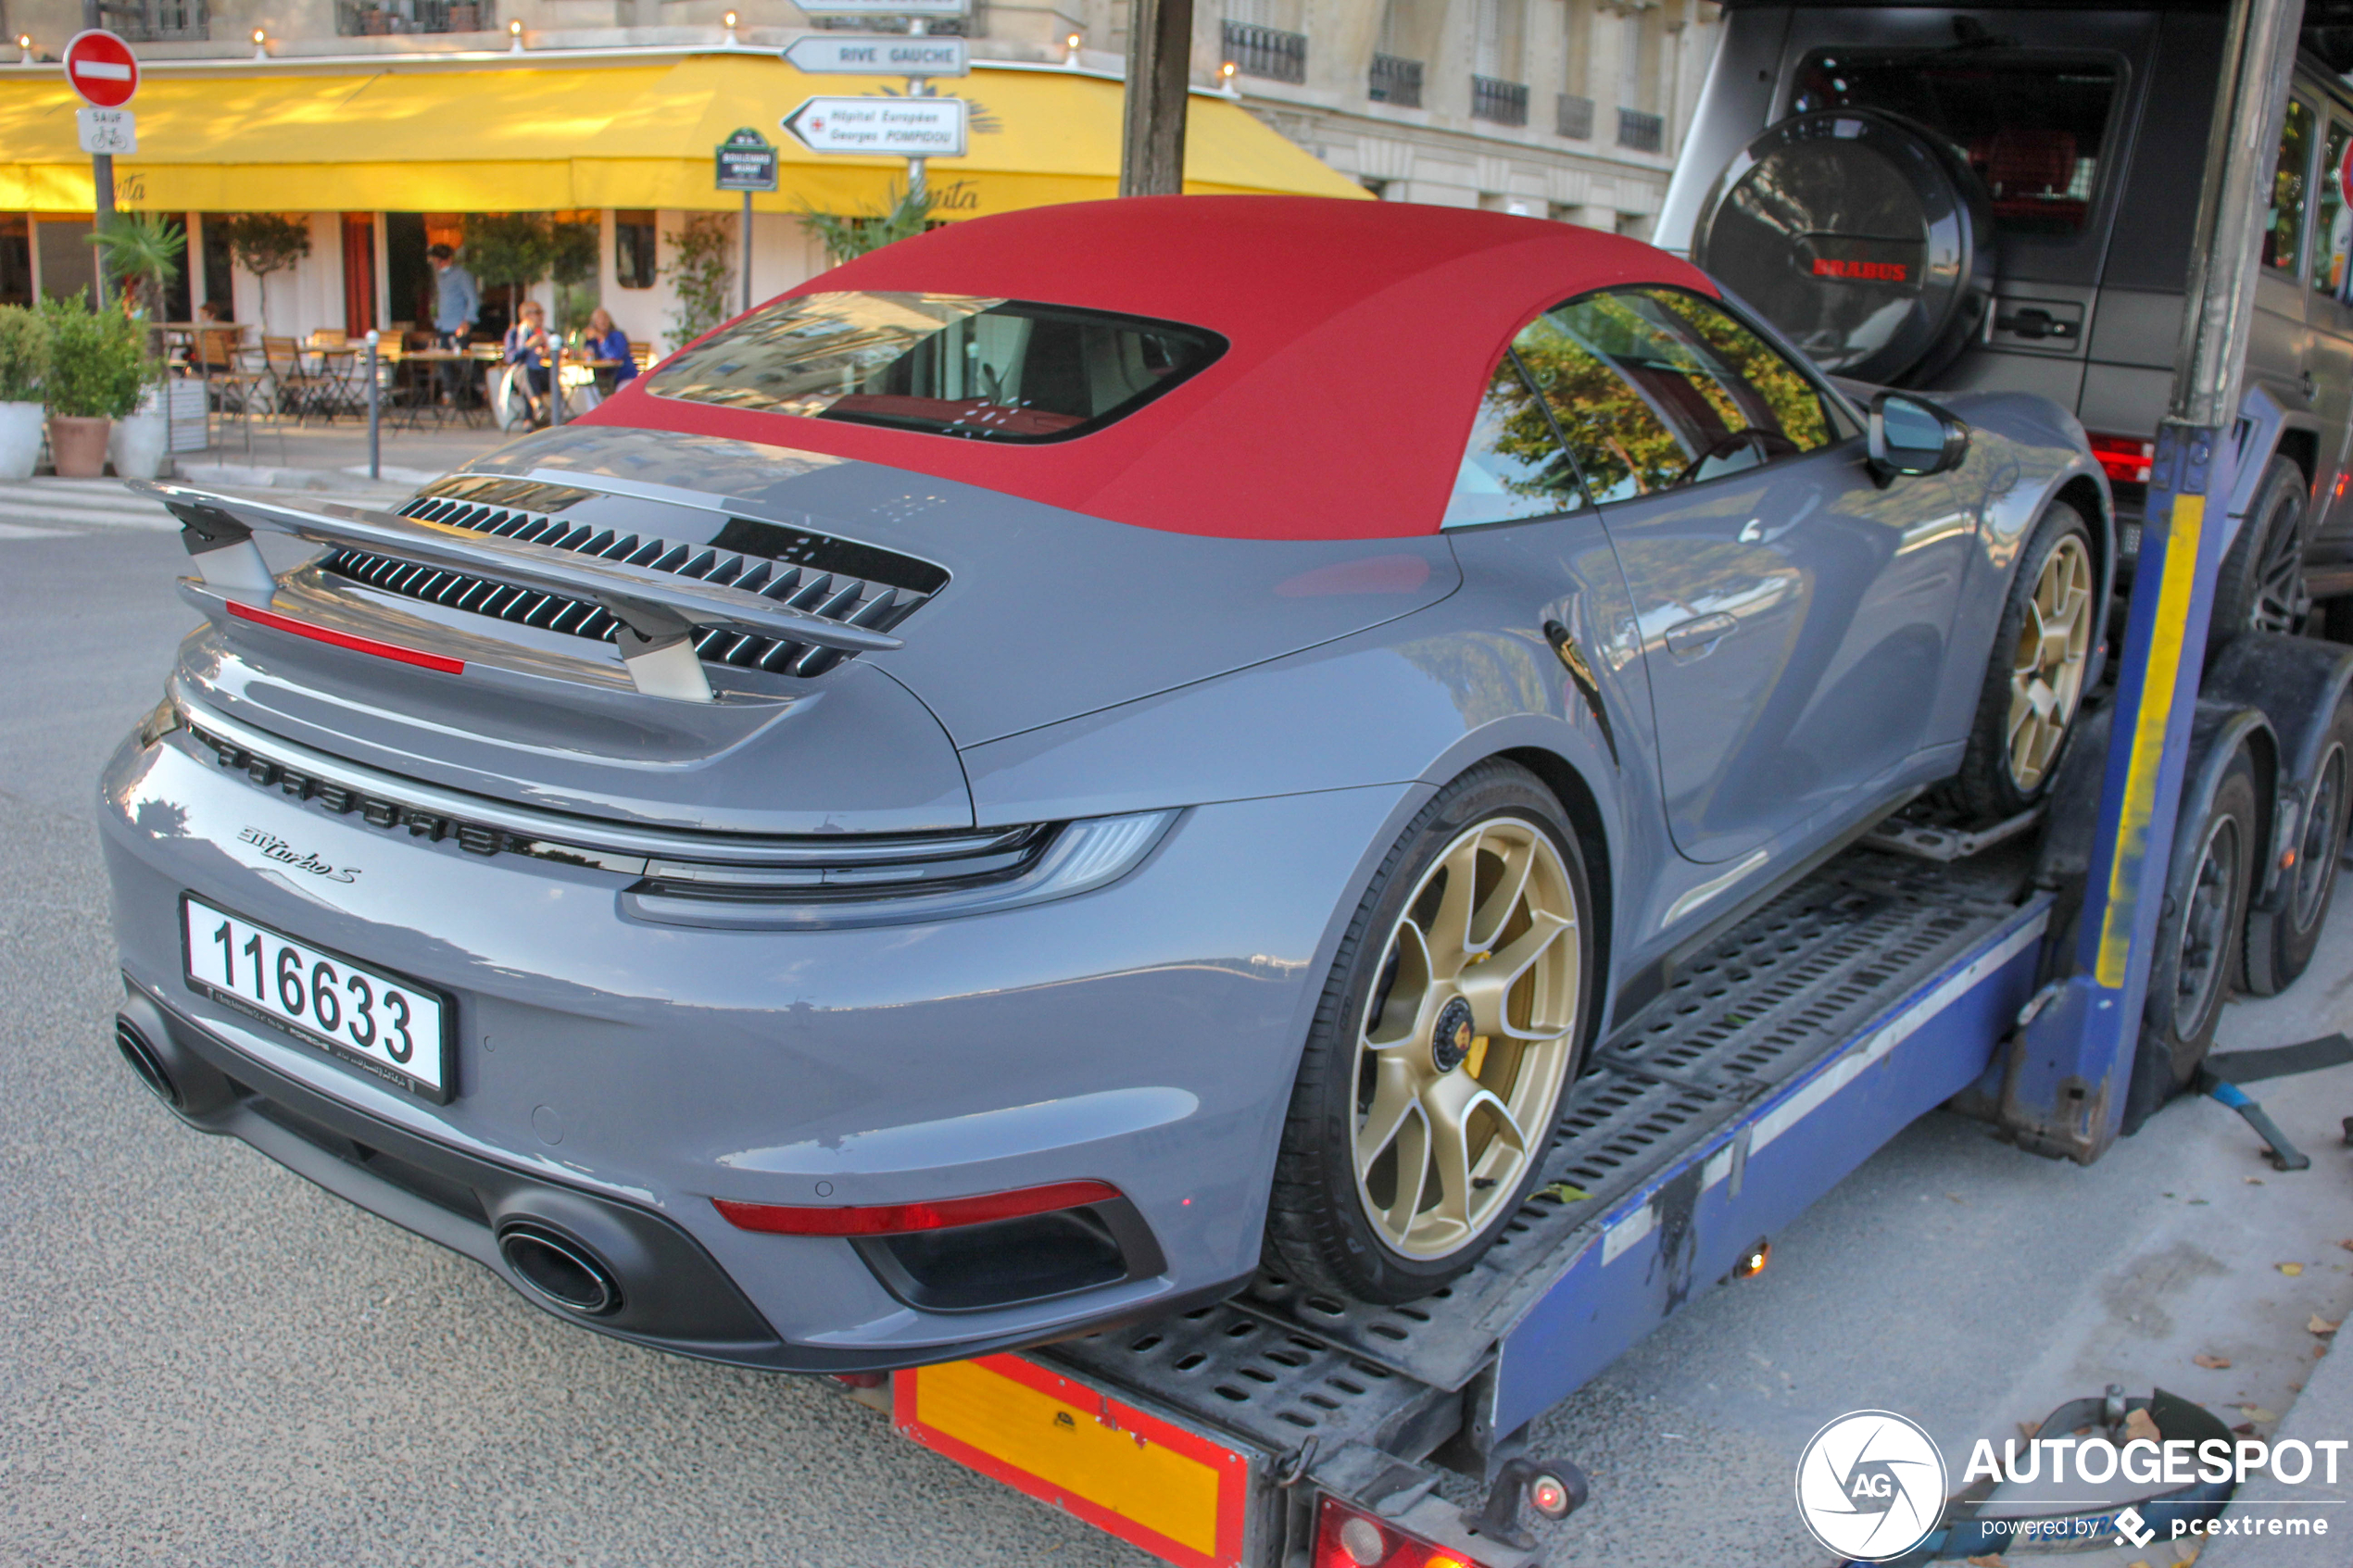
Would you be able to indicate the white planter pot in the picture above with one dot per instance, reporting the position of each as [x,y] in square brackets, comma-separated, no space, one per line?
[141,443]
[19,438]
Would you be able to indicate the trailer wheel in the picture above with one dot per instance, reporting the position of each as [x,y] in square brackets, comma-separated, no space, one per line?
[2034,678]
[2260,586]
[2198,953]
[1455,1016]
[2279,942]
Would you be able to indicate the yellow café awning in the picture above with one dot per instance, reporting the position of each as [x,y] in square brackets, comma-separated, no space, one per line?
[547,132]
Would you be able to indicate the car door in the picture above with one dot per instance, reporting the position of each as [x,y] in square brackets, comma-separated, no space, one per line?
[1794,613]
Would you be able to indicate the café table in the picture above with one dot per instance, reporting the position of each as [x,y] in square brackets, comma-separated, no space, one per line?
[466,393]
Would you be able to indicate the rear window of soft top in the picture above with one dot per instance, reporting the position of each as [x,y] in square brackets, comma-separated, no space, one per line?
[960,364]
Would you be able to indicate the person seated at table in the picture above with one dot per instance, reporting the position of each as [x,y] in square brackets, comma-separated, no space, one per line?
[609,341]
[527,346]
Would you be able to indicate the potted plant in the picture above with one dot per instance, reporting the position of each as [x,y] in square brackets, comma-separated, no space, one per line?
[141,251]
[24,362]
[98,365]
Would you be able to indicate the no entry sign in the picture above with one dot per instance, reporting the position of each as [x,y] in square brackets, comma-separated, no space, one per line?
[102,68]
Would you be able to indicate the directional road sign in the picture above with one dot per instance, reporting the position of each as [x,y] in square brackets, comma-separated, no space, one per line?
[860,54]
[102,68]
[746,161]
[884,126]
[108,130]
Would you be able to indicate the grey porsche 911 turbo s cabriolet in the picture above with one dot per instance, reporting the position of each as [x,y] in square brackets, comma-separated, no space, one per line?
[1063,760]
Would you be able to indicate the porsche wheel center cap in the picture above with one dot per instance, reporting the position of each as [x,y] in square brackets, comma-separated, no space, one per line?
[1451,1042]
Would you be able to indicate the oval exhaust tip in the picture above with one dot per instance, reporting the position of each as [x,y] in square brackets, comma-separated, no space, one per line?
[560,1268]
[145,1063]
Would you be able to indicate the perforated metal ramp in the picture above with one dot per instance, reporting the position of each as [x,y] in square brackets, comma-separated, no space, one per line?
[1795,984]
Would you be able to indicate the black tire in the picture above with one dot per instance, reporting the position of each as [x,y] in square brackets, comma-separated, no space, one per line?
[2279,942]
[1988,788]
[2197,954]
[1318,1233]
[2260,586]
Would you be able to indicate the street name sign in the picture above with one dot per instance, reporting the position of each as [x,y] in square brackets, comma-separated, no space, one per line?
[746,161]
[102,68]
[886,127]
[108,130]
[861,54]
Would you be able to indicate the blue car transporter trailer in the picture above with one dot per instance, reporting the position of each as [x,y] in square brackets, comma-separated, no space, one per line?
[1287,1430]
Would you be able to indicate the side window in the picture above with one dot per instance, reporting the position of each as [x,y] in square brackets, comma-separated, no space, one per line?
[1514,466]
[1653,388]
[2332,217]
[2284,234]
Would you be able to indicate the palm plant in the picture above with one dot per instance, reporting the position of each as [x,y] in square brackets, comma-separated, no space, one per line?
[142,249]
[846,236]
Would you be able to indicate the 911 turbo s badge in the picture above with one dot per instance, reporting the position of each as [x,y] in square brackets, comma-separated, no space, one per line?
[278,849]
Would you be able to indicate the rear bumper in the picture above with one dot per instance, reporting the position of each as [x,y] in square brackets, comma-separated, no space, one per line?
[674,1295]
[612,1077]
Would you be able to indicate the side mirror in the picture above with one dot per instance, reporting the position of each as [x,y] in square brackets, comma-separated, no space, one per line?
[1911,435]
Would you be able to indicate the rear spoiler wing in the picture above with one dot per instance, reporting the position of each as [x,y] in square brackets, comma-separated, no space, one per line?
[659,613]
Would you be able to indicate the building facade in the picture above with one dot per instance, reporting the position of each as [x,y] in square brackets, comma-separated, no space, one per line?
[1566,109]
[1570,109]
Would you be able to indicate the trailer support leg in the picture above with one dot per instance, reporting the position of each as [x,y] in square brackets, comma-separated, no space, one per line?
[2286,1156]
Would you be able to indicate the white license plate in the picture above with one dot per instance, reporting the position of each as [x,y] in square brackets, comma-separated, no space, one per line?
[394,1028]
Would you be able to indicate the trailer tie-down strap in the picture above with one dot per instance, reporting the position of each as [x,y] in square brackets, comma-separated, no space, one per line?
[1966,1530]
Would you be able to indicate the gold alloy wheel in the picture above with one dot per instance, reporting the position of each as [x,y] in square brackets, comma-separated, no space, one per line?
[2047,673]
[1467,1037]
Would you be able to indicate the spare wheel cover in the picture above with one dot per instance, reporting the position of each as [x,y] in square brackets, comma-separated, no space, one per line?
[1863,237]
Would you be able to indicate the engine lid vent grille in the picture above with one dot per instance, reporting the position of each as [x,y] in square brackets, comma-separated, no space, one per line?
[837,580]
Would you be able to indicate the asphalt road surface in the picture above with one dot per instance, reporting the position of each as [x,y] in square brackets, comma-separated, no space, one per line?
[205,1360]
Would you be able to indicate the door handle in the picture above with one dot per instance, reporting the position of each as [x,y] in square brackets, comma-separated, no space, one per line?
[1697,639]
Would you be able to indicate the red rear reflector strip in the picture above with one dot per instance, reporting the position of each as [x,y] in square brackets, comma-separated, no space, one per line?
[896,1219]
[270,618]
[2125,458]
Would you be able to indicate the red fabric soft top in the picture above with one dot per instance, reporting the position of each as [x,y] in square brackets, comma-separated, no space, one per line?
[1362,333]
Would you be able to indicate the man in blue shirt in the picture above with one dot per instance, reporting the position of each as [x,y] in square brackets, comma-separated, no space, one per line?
[457,300]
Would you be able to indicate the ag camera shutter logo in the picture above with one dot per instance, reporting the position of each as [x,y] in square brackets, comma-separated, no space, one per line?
[1870,1486]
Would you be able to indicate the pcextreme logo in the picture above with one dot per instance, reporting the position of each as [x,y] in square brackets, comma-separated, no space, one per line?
[1870,1486]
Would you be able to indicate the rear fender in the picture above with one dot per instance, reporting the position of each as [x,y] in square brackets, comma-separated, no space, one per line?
[2264,429]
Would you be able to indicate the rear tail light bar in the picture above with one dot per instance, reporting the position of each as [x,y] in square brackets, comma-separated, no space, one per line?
[900,1219]
[394,651]
[2126,460]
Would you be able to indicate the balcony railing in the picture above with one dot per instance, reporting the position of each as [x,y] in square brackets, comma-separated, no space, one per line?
[369,17]
[1574,118]
[1641,133]
[1503,102]
[1266,51]
[157,21]
[973,24]
[1395,81]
